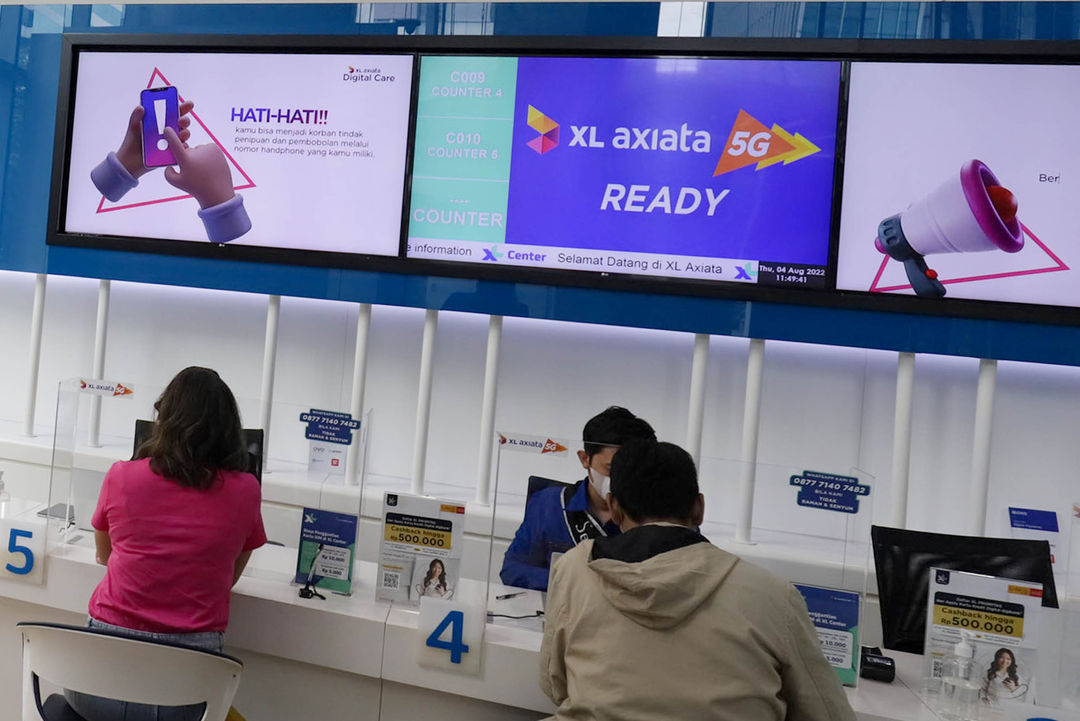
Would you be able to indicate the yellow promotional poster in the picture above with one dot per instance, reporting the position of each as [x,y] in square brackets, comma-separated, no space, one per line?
[420,548]
[982,641]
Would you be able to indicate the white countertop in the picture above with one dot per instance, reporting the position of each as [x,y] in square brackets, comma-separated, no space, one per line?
[359,635]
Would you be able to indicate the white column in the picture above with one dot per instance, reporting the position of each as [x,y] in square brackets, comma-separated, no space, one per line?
[901,450]
[696,416]
[37,325]
[751,414]
[273,312]
[101,332]
[359,379]
[980,451]
[487,413]
[423,401]
[681,19]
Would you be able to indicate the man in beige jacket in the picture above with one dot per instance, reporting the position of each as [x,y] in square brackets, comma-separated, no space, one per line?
[658,623]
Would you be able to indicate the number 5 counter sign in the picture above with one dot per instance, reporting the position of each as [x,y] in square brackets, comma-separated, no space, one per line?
[22,556]
[420,549]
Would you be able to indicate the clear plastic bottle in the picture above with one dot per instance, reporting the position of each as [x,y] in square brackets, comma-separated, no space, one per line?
[959,690]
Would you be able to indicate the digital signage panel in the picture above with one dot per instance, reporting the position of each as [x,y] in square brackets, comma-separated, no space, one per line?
[675,167]
[293,151]
[958,182]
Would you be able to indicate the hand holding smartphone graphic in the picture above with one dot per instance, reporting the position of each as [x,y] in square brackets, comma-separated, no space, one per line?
[120,171]
[157,134]
[133,148]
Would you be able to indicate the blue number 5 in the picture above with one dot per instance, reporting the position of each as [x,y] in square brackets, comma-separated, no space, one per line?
[456,621]
[14,547]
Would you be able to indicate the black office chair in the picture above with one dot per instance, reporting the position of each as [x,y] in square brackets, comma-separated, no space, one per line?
[539,483]
[253,439]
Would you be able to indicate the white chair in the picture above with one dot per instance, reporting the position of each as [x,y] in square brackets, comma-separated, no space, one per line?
[106,664]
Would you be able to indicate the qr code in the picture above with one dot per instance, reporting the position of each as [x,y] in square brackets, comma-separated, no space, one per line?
[391,580]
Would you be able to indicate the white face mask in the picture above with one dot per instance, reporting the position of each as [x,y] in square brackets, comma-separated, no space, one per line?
[602,484]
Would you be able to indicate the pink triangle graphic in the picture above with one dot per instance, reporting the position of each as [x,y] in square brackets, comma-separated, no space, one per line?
[1058,265]
[249,184]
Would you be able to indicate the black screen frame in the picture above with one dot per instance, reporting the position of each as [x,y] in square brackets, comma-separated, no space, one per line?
[845,51]
[327,45]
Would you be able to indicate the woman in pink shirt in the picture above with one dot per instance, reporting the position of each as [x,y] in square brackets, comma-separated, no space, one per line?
[175,527]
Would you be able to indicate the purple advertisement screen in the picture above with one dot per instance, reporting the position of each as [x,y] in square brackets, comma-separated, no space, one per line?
[711,158]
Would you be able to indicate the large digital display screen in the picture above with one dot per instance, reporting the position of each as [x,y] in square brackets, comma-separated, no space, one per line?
[703,168]
[958,182]
[313,145]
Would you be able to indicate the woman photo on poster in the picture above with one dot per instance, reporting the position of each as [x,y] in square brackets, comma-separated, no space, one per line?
[1003,681]
[435,584]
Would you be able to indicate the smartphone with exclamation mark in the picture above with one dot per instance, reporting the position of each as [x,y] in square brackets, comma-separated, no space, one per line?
[162,110]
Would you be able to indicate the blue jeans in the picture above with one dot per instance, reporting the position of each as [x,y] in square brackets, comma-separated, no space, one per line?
[97,708]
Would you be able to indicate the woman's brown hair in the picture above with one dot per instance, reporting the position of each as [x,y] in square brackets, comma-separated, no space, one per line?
[197,432]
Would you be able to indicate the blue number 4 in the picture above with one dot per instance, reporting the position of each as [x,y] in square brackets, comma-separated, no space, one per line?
[456,621]
[15,547]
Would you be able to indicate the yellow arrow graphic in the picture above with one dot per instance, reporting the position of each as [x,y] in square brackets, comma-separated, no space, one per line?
[803,148]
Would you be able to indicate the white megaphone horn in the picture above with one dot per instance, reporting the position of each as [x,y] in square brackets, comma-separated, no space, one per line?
[969,213]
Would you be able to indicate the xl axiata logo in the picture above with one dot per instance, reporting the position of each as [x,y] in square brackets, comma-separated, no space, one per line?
[750,142]
[367,75]
[492,254]
[745,272]
[548,139]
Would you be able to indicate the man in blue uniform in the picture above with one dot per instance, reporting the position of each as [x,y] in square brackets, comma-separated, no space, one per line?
[557,519]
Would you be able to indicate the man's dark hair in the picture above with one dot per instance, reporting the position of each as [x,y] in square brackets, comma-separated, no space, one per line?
[654,480]
[197,432]
[613,427]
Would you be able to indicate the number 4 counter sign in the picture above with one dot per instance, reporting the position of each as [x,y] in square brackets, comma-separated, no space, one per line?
[420,550]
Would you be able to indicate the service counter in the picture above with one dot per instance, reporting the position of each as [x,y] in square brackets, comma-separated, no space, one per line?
[352,657]
[355,657]
[339,658]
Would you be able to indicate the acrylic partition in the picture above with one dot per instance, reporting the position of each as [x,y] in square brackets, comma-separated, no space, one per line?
[808,526]
[305,455]
[79,460]
[525,464]
[1071,579]
[433,554]
[306,465]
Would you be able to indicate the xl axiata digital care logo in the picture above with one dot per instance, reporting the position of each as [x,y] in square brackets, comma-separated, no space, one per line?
[367,75]
[749,142]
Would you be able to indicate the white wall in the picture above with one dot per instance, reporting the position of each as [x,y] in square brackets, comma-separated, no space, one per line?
[823,408]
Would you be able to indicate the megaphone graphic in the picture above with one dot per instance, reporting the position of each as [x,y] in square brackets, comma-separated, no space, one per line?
[969,213]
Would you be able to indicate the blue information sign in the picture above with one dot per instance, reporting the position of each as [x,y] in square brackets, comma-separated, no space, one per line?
[829,491]
[329,426]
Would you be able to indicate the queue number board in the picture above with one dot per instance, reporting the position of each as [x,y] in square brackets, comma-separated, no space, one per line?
[461,160]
